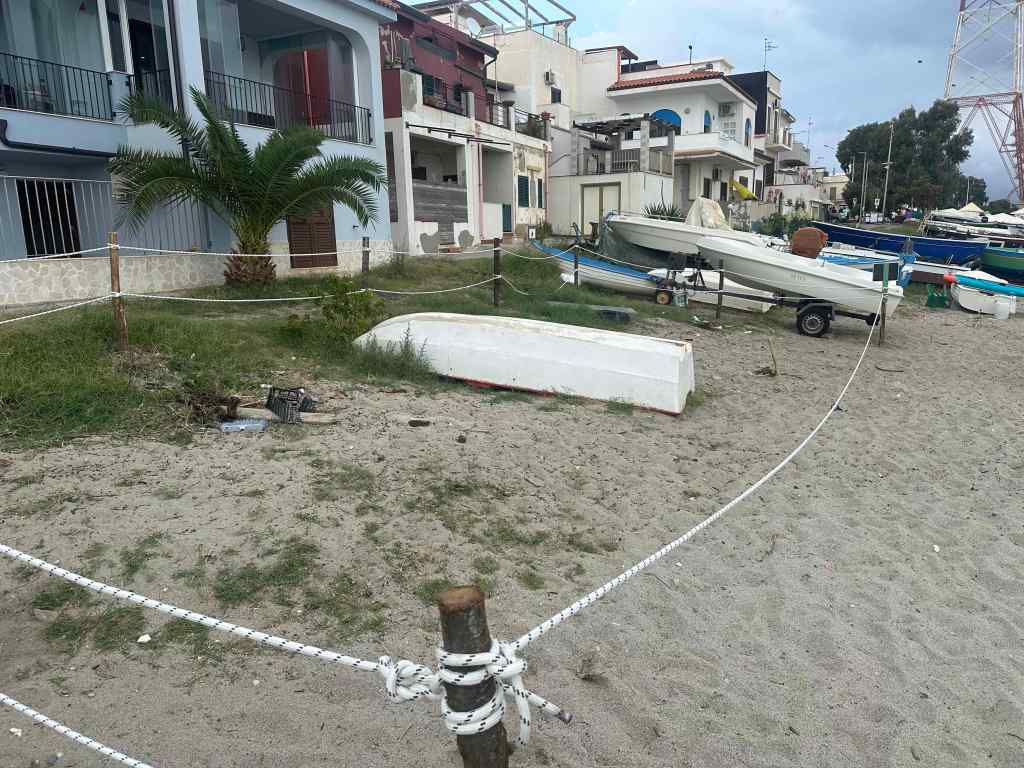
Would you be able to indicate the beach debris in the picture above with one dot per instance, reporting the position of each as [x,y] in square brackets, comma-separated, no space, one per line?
[270,416]
[769,370]
[419,422]
[17,733]
[244,425]
[890,370]
[287,404]
[935,547]
[771,548]
[461,439]
[587,669]
[143,639]
[621,314]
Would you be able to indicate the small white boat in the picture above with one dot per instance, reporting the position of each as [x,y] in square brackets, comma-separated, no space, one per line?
[538,356]
[670,235]
[705,279]
[981,301]
[795,276]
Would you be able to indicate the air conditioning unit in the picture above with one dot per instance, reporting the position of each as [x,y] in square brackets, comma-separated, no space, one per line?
[726,110]
[550,78]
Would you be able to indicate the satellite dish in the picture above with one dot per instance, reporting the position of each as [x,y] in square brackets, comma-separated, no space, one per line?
[473,26]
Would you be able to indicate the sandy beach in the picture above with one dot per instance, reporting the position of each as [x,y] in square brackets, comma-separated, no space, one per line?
[863,609]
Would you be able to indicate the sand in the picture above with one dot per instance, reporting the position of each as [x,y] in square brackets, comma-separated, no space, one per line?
[863,609]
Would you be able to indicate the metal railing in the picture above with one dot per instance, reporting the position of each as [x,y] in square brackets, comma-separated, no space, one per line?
[530,124]
[437,94]
[269,106]
[597,162]
[60,89]
[499,115]
[156,84]
[58,215]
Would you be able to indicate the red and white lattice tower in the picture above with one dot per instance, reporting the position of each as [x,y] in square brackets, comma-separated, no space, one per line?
[984,76]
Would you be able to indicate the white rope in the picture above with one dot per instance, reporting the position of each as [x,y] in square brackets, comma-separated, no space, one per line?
[490,279]
[64,255]
[512,286]
[75,736]
[403,680]
[224,301]
[58,309]
[217,253]
[597,594]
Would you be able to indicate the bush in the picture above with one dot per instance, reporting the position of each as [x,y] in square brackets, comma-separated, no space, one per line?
[348,311]
[544,231]
[773,225]
[795,222]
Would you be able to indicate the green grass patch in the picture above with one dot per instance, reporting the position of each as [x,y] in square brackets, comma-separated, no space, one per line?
[530,579]
[348,604]
[430,591]
[290,564]
[118,628]
[486,565]
[59,595]
[134,559]
[191,637]
[510,396]
[68,632]
[342,480]
[620,408]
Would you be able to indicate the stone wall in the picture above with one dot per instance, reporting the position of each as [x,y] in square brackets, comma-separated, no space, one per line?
[38,281]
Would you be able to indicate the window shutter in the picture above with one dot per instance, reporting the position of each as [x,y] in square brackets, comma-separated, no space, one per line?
[524,191]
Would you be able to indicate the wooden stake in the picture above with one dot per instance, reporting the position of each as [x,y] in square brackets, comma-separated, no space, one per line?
[497,271]
[885,302]
[721,287]
[576,267]
[115,287]
[366,261]
[464,630]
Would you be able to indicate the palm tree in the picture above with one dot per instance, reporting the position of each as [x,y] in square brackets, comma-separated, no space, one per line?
[251,190]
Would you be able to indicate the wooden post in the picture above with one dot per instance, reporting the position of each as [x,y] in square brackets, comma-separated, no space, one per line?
[115,287]
[366,261]
[576,267]
[464,630]
[885,302]
[721,287]
[497,271]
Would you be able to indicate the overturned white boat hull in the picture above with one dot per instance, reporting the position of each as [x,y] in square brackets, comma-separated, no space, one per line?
[795,276]
[981,301]
[538,356]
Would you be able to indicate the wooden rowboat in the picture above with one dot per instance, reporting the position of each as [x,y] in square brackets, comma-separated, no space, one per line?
[537,356]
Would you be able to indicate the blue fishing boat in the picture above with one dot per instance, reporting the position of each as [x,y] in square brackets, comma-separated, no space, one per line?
[931,249]
[1007,263]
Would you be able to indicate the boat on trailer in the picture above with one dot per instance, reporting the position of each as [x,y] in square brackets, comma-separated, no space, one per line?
[818,290]
[550,358]
[930,249]
[659,283]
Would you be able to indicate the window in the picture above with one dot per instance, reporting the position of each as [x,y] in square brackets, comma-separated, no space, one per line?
[747,133]
[540,193]
[707,189]
[707,122]
[671,117]
[723,192]
[556,95]
[524,191]
[49,217]
[832,194]
[759,189]
[430,85]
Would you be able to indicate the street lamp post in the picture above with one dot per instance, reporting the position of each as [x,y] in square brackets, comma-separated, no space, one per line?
[888,166]
[863,184]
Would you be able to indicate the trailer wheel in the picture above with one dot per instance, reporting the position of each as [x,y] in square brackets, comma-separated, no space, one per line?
[664,298]
[871,319]
[813,321]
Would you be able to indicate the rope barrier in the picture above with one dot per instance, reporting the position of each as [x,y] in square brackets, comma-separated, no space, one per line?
[69,254]
[442,290]
[544,627]
[513,286]
[353,252]
[58,309]
[223,301]
[85,741]
[403,680]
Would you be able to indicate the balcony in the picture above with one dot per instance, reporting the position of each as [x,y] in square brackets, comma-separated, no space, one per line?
[59,89]
[597,162]
[437,94]
[156,85]
[499,115]
[529,124]
[249,102]
[779,140]
[713,144]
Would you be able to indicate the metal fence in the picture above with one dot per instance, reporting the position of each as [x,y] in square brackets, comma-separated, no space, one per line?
[156,84]
[45,86]
[268,106]
[55,215]
[499,115]
[530,124]
[596,162]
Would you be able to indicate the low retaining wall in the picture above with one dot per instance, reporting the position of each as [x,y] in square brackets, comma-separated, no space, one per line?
[39,281]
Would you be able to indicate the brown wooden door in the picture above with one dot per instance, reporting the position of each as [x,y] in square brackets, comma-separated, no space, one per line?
[313,234]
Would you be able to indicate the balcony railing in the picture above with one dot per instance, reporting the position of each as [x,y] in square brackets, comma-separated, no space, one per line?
[436,93]
[268,106]
[45,86]
[157,85]
[499,115]
[597,162]
[530,124]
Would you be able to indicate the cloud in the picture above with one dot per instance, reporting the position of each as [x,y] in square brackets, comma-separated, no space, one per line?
[841,63]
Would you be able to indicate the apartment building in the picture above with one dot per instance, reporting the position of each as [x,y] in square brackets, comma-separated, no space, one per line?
[465,163]
[66,64]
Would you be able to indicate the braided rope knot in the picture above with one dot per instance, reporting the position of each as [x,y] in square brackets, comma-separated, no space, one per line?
[408,681]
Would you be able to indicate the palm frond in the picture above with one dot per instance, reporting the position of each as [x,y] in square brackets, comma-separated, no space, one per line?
[150,179]
[352,181]
[146,110]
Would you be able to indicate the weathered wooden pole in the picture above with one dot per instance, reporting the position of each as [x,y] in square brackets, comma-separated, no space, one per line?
[576,267]
[115,287]
[885,303]
[721,287]
[464,630]
[497,271]
[366,261]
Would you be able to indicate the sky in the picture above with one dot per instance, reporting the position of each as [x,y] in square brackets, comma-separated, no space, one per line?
[842,63]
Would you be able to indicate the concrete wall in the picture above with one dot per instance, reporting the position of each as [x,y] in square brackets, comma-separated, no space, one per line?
[636,190]
[34,281]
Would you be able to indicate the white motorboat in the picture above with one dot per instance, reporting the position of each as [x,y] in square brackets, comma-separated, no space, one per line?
[538,356]
[671,235]
[705,279]
[789,275]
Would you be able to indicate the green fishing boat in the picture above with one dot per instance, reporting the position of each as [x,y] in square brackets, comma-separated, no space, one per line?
[1007,263]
